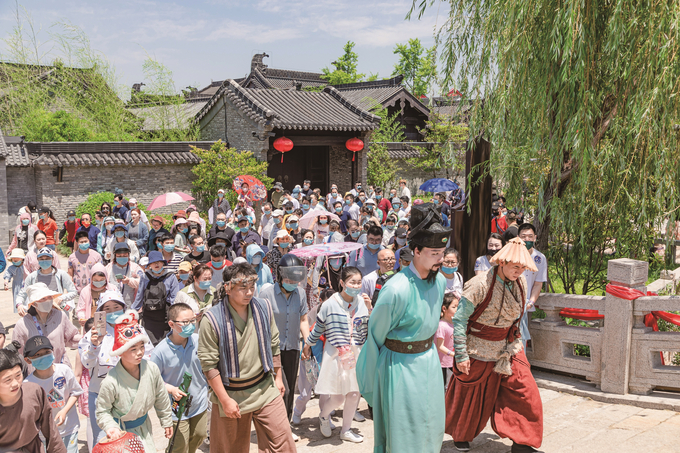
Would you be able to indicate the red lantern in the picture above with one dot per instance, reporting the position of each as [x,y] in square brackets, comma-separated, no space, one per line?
[354,145]
[284,145]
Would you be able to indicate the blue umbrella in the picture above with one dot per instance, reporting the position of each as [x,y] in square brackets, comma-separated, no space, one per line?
[438,185]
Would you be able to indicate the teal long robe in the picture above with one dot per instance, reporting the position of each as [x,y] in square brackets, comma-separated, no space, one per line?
[405,390]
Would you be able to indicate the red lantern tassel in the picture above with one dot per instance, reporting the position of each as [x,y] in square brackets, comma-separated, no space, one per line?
[281,157]
[354,154]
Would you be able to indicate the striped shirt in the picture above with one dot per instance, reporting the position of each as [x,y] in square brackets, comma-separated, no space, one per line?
[333,321]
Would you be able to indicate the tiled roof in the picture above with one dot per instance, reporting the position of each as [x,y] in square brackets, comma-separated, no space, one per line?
[406,150]
[281,79]
[169,116]
[301,110]
[17,152]
[387,96]
[107,159]
[393,82]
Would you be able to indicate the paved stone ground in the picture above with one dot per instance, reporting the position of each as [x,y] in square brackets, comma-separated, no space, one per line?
[571,424]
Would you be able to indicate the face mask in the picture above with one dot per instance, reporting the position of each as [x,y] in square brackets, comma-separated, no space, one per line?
[221,223]
[400,241]
[267,212]
[43,217]
[289,211]
[98,284]
[244,229]
[183,277]
[373,246]
[396,206]
[336,263]
[204,285]
[358,187]
[111,317]
[25,222]
[132,206]
[184,231]
[362,198]
[85,223]
[108,227]
[169,247]
[157,272]
[200,248]
[257,259]
[293,226]
[306,187]
[290,287]
[119,234]
[309,241]
[44,307]
[352,292]
[277,220]
[305,206]
[84,246]
[389,227]
[220,195]
[122,260]
[491,252]
[449,270]
[378,197]
[221,244]
[334,194]
[45,264]
[217,264]
[43,362]
[338,210]
[348,202]
[323,221]
[284,245]
[17,263]
[187,330]
[529,244]
[72,219]
[436,202]
[355,234]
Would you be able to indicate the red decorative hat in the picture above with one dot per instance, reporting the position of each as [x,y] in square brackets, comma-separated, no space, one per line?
[127,333]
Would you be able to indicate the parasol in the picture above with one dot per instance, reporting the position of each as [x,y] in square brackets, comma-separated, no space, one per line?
[438,185]
[257,188]
[307,219]
[168,199]
[329,249]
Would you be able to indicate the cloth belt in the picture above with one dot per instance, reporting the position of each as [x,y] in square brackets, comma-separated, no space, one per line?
[131,424]
[237,386]
[491,333]
[412,347]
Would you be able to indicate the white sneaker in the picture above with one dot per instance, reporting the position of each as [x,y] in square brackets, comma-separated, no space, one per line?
[350,436]
[325,427]
[295,437]
[330,421]
[358,417]
[296,418]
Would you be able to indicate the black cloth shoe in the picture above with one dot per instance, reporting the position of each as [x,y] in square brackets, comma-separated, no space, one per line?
[519,448]
[462,446]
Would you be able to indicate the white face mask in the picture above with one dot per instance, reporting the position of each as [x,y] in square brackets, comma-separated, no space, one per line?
[257,259]
[44,307]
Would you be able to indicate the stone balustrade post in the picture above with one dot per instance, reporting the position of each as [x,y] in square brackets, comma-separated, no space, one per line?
[618,325]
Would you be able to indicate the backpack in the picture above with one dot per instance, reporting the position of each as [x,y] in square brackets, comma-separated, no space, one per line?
[379,283]
[155,295]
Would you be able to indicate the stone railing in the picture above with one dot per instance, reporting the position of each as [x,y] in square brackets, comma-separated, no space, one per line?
[624,354]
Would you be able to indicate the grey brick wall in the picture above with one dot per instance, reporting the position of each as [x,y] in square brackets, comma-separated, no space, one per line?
[4,217]
[340,168]
[141,182]
[20,188]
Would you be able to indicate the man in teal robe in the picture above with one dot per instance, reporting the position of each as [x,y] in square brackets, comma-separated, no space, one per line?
[398,369]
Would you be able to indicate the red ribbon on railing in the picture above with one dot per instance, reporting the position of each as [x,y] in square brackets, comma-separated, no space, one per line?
[581,313]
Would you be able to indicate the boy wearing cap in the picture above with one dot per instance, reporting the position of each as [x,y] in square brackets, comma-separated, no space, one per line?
[132,388]
[59,384]
[16,273]
[123,272]
[175,356]
[25,412]
[156,230]
[246,235]
[80,262]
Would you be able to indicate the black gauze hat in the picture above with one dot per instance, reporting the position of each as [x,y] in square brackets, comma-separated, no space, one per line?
[427,230]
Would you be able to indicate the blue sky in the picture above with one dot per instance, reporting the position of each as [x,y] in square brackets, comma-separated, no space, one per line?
[206,40]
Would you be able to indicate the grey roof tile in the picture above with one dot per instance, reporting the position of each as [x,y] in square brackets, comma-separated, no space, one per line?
[386,96]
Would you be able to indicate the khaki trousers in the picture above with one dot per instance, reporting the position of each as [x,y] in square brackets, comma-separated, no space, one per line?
[191,433]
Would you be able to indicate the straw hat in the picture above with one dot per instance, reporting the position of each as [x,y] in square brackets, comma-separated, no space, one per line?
[514,252]
[38,291]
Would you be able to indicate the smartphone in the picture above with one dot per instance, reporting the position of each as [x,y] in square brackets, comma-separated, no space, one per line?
[100,323]
[120,276]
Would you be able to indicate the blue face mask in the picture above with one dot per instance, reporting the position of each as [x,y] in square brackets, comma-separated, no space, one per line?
[111,317]
[289,211]
[157,272]
[355,234]
[378,197]
[119,234]
[323,221]
[184,231]
[293,226]
[169,247]
[122,260]
[436,202]
[449,270]
[290,287]
[183,277]
[17,263]
[352,292]
[200,248]
[396,206]
[305,207]
[321,203]
[204,285]
[221,223]
[389,227]
[277,220]
[25,222]
[84,246]
[71,219]
[309,241]
[43,362]
[373,246]
[217,264]
[338,209]
[98,284]
[348,202]
[245,229]
[45,264]
[284,245]
[187,330]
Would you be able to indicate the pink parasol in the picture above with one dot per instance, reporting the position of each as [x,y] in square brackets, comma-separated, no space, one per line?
[257,189]
[168,199]
[333,248]
[307,219]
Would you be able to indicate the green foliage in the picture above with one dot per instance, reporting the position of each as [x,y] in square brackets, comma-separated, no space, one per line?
[219,167]
[417,64]
[382,170]
[60,126]
[345,68]
[449,152]
[583,99]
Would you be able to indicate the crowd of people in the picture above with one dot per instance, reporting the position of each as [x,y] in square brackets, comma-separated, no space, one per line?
[214,323]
